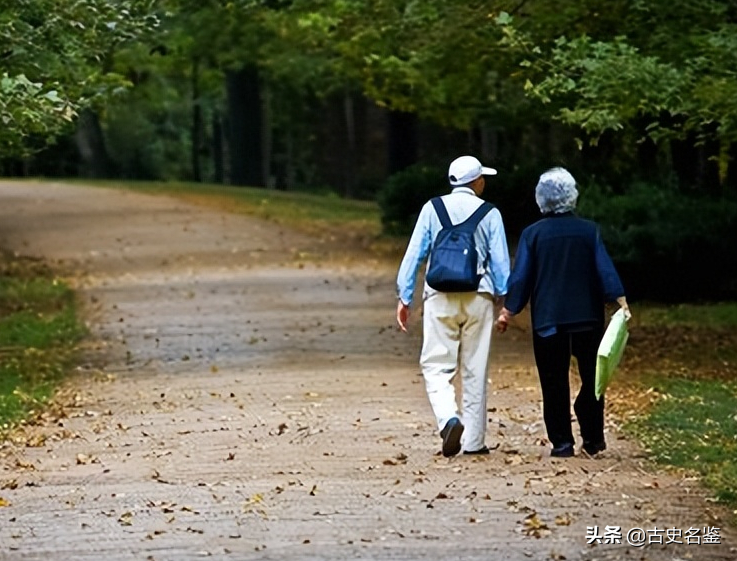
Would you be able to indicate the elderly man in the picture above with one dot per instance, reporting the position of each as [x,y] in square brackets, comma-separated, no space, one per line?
[457,326]
[563,269]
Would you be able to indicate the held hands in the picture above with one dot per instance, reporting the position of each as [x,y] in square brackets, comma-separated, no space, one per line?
[502,322]
[402,315]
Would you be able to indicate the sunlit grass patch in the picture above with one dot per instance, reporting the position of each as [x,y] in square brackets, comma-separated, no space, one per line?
[712,315]
[346,225]
[306,210]
[684,360]
[39,330]
[693,425]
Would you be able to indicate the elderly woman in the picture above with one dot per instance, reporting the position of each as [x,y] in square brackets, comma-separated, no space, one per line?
[563,269]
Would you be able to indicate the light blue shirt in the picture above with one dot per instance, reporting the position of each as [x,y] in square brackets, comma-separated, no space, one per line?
[491,245]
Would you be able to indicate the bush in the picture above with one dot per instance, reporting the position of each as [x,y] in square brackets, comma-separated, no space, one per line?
[667,246]
[403,194]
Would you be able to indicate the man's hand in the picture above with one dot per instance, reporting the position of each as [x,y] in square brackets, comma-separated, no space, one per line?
[402,315]
[502,322]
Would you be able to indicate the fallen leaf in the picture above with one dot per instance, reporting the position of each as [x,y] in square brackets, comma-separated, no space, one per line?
[4,503]
[396,460]
[36,441]
[535,527]
[25,465]
[84,459]
[255,505]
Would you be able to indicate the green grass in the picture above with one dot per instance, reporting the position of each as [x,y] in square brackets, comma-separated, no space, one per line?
[689,315]
[694,426]
[39,330]
[689,356]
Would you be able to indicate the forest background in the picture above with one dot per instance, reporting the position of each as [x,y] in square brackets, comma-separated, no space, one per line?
[372,100]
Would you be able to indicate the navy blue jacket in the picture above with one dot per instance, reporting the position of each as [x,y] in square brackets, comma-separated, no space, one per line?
[563,269]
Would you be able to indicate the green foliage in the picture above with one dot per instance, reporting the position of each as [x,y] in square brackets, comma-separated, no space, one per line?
[403,194]
[667,245]
[666,68]
[27,110]
[439,59]
[147,130]
[693,425]
[39,330]
[606,84]
[56,56]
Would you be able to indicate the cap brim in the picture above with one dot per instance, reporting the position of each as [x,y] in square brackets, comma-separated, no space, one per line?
[488,171]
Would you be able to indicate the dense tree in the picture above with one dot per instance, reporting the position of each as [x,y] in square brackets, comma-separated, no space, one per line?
[56,58]
[642,86]
[655,73]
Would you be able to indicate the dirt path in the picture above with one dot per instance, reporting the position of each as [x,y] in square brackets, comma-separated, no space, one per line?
[252,406]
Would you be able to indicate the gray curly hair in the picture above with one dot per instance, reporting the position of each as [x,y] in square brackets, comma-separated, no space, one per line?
[556,191]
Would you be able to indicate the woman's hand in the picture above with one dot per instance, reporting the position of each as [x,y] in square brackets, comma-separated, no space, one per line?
[622,301]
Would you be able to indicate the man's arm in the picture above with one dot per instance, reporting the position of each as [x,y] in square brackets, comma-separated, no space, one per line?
[498,255]
[520,285]
[417,251]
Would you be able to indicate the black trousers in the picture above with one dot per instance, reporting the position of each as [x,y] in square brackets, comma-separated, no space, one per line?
[553,359]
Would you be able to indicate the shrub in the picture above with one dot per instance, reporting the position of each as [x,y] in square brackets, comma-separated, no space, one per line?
[404,193]
[667,246]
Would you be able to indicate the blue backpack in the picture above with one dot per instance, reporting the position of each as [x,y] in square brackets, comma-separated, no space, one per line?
[453,259]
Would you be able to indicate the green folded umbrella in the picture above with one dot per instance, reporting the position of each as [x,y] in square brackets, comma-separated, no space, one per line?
[610,351]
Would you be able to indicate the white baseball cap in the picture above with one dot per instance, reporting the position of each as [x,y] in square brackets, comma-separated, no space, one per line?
[466,169]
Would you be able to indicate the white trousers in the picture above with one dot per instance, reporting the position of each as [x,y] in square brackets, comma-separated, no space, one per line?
[457,330]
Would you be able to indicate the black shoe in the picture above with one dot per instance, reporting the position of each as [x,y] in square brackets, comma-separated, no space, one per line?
[593,448]
[562,451]
[451,433]
[480,451]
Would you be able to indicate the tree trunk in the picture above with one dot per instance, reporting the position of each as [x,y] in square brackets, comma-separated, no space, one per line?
[683,158]
[196,122]
[91,145]
[291,171]
[267,140]
[402,140]
[217,148]
[489,144]
[730,183]
[244,119]
[647,160]
[350,169]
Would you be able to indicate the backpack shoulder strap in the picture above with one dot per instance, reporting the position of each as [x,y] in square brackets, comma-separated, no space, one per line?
[442,213]
[472,222]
